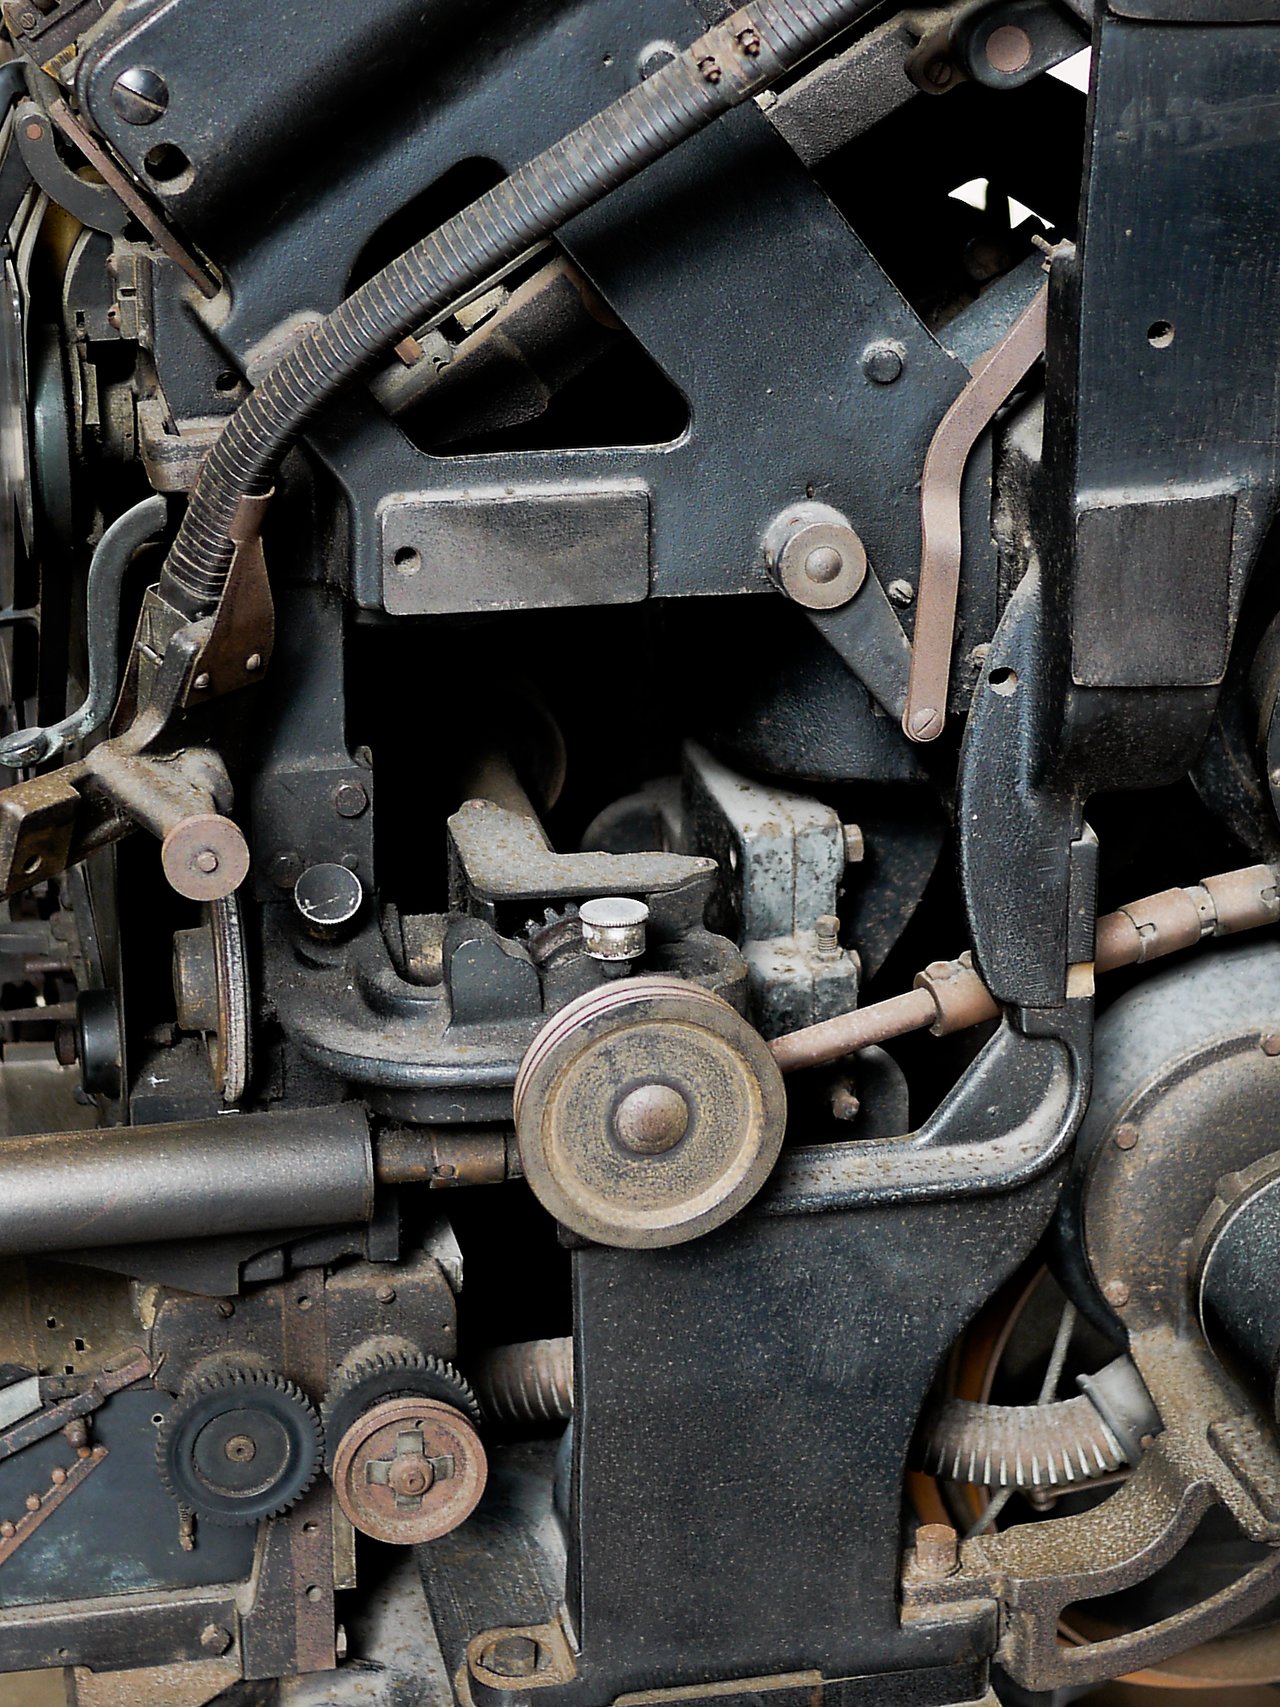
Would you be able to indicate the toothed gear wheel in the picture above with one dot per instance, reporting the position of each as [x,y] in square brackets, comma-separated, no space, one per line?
[558,932]
[240,1446]
[392,1375]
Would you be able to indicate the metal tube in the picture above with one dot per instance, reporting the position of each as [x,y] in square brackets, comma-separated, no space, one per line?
[443,1157]
[237,1173]
[951,996]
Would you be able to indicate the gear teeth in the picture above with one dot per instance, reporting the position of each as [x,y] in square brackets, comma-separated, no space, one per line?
[388,1374]
[229,1381]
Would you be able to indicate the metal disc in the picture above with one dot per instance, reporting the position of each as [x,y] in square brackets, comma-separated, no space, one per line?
[409,1470]
[648,1113]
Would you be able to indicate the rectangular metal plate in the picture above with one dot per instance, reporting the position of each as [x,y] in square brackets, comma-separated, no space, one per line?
[1152,593]
[514,549]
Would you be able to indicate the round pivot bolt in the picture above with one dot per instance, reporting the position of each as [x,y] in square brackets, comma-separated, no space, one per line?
[140,95]
[883,361]
[648,1112]
[205,857]
[1008,49]
[651,1119]
[409,1470]
[815,556]
[328,899]
[614,928]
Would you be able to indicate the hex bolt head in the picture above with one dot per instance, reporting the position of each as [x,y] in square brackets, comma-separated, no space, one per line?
[883,361]
[511,1656]
[937,1550]
[350,799]
[140,95]
[855,844]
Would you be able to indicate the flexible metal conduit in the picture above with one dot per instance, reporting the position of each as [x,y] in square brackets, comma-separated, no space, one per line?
[731,62]
[1055,1445]
[950,994]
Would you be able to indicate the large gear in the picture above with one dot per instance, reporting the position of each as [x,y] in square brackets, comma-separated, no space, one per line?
[239,1446]
[392,1375]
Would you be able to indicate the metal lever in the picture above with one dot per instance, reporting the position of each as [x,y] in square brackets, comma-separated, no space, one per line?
[994,376]
[114,553]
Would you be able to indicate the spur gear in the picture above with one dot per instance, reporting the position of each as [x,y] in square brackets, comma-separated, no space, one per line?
[392,1375]
[239,1446]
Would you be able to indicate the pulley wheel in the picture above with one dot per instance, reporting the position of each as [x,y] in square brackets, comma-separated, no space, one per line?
[648,1113]
[409,1470]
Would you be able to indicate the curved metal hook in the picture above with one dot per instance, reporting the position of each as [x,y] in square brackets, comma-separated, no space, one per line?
[112,557]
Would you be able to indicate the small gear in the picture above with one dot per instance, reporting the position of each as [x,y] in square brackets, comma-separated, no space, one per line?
[392,1375]
[240,1445]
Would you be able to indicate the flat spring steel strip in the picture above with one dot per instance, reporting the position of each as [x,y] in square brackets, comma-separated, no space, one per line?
[994,376]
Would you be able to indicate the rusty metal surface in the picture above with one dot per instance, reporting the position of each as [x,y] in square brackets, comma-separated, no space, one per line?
[40,1506]
[950,995]
[409,1470]
[134,1366]
[994,377]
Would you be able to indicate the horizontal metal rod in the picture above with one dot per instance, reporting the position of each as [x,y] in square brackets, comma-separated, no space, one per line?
[236,1173]
[951,996]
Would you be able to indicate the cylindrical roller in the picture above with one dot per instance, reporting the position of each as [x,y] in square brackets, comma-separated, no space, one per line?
[526,1386]
[239,1173]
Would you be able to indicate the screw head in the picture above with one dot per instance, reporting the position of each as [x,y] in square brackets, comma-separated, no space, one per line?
[1116,1293]
[214,1639]
[1271,1043]
[883,361]
[386,1295]
[901,593]
[925,723]
[140,95]
[1125,1135]
[350,799]
[938,73]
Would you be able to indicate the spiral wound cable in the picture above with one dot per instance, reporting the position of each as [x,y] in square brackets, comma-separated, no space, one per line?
[724,67]
[1057,1444]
